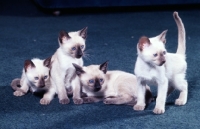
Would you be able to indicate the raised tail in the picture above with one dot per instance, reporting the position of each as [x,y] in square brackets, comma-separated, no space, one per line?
[15,84]
[181,34]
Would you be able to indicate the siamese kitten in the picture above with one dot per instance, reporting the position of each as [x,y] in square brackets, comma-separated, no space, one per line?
[35,77]
[71,50]
[167,70]
[114,87]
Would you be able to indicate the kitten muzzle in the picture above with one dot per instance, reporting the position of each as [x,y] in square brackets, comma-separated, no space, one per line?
[97,85]
[79,53]
[41,83]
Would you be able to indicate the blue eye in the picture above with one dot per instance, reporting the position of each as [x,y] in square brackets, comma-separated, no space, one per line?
[82,46]
[45,77]
[155,55]
[101,80]
[74,48]
[91,81]
[36,78]
[164,52]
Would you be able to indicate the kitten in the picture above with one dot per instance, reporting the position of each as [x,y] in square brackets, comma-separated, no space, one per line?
[72,46]
[167,70]
[35,77]
[115,87]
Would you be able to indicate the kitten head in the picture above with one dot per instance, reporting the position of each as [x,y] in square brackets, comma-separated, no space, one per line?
[92,77]
[152,50]
[73,43]
[37,71]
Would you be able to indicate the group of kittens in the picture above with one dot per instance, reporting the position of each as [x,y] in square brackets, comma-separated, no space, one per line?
[64,74]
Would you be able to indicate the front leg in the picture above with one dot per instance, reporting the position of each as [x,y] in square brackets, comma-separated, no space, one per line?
[161,98]
[48,96]
[76,90]
[92,99]
[141,87]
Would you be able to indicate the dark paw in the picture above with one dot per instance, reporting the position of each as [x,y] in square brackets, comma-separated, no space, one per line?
[64,101]
[88,100]
[78,101]
[108,101]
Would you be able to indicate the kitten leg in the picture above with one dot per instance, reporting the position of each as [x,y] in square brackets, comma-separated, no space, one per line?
[23,89]
[122,99]
[182,85]
[76,90]
[48,96]
[141,87]
[161,99]
[92,99]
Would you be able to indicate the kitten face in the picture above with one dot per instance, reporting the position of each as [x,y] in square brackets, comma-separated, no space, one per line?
[152,50]
[37,71]
[92,77]
[73,43]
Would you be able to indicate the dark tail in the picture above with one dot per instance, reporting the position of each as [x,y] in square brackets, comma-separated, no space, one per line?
[15,84]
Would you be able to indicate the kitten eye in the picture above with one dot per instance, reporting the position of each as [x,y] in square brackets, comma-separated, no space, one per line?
[45,77]
[155,55]
[164,52]
[91,81]
[101,80]
[36,78]
[73,48]
[82,46]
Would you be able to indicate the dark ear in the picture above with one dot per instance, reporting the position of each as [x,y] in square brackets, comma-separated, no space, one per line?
[83,33]
[162,36]
[79,69]
[63,35]
[47,62]
[143,42]
[103,67]
[28,64]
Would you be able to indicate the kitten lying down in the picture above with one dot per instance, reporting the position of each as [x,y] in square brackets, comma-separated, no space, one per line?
[113,87]
[35,77]
[166,70]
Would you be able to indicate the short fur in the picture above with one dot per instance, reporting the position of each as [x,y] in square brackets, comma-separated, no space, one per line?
[72,46]
[114,87]
[35,77]
[167,70]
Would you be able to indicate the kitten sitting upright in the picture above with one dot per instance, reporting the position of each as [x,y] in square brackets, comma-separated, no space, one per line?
[72,46]
[115,87]
[35,77]
[167,70]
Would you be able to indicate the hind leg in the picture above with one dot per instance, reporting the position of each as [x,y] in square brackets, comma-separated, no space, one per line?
[182,85]
[122,99]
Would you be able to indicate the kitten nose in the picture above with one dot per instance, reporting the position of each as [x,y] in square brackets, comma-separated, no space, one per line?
[161,63]
[41,83]
[79,53]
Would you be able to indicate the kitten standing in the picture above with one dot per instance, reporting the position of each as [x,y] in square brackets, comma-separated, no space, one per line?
[167,70]
[114,87]
[35,77]
[72,46]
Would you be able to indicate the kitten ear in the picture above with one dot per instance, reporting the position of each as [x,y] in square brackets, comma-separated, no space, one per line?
[83,33]
[63,36]
[103,67]
[162,36]
[143,43]
[47,62]
[79,69]
[28,64]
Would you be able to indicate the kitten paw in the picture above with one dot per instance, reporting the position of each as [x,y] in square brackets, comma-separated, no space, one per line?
[108,101]
[158,111]
[44,101]
[18,93]
[88,100]
[180,102]
[78,100]
[64,101]
[138,108]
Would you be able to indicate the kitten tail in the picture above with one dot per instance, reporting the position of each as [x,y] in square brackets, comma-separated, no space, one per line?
[181,34]
[15,83]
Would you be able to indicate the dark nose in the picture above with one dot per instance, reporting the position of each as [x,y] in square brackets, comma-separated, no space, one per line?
[41,83]
[97,85]
[161,63]
[79,53]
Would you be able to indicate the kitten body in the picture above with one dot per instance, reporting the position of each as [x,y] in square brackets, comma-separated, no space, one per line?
[114,87]
[35,77]
[63,75]
[167,70]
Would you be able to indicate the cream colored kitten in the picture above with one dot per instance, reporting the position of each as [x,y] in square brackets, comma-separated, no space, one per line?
[63,75]
[115,87]
[35,77]
[167,70]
